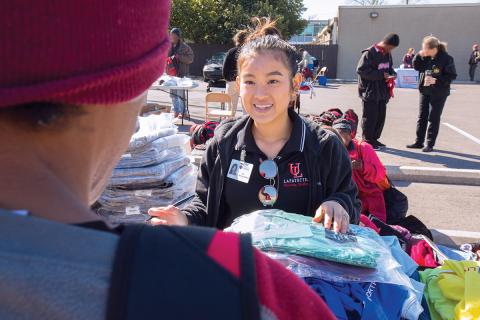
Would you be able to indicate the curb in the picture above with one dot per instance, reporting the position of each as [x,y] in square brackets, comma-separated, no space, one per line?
[434,175]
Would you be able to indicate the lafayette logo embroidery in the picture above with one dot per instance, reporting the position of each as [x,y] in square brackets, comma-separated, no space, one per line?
[297,180]
[295,170]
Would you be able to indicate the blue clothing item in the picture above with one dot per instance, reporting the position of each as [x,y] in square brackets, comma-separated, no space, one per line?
[178,100]
[364,301]
[408,265]
[457,255]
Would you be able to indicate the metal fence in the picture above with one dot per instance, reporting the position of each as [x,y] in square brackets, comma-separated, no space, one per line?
[326,54]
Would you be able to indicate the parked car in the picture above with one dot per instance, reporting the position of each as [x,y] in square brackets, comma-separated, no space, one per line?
[213,68]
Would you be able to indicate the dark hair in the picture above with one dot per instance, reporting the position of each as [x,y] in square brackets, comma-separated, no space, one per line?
[39,115]
[392,39]
[433,43]
[263,26]
[266,37]
[240,37]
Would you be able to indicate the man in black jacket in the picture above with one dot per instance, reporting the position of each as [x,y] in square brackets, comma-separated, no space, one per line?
[375,70]
[230,67]
[473,61]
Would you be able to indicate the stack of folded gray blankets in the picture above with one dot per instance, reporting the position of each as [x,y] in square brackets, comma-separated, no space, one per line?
[155,172]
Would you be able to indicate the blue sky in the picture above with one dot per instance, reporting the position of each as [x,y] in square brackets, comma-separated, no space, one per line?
[325,9]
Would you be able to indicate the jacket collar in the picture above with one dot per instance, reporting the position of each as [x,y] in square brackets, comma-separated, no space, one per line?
[296,142]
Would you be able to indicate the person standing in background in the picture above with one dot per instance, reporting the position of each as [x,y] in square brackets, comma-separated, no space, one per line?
[408,58]
[182,54]
[437,71]
[375,71]
[230,67]
[473,62]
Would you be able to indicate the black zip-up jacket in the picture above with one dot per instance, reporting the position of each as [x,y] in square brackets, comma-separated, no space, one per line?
[327,162]
[443,69]
[474,57]
[230,64]
[371,79]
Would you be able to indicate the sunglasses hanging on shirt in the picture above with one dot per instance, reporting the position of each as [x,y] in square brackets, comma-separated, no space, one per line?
[268,194]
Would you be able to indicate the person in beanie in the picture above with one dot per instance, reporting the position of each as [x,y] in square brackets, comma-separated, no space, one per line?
[182,54]
[375,73]
[368,171]
[437,71]
[66,117]
[473,62]
[230,67]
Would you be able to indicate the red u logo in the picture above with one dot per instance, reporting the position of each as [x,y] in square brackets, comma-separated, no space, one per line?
[295,170]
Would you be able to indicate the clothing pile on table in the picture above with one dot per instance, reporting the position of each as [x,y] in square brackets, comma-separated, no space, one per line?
[363,275]
[169,81]
[358,274]
[154,172]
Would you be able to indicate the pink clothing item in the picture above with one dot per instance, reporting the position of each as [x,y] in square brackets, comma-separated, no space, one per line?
[368,223]
[423,255]
[81,52]
[374,203]
[368,178]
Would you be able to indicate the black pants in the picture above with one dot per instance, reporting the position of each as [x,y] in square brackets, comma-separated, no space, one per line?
[473,67]
[373,119]
[431,108]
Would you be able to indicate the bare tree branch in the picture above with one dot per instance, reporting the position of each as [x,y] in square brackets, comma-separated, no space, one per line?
[368,2]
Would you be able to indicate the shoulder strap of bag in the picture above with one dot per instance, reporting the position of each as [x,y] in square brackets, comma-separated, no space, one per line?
[182,273]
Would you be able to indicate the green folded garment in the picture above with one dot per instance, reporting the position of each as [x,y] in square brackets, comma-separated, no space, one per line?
[275,230]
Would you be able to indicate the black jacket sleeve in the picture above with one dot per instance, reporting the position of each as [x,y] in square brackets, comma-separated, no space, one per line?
[367,69]
[340,186]
[419,63]
[449,72]
[229,65]
[391,70]
[196,212]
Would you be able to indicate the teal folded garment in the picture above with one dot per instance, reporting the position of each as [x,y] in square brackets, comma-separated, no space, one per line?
[275,230]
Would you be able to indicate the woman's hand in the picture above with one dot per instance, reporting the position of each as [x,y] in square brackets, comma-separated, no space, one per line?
[333,214]
[167,216]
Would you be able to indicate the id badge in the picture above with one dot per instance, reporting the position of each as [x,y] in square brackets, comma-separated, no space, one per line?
[240,171]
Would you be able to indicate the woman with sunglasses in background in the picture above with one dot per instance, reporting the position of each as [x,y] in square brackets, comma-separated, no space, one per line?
[271,158]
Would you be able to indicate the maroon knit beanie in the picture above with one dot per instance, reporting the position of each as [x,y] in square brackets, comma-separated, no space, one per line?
[80,52]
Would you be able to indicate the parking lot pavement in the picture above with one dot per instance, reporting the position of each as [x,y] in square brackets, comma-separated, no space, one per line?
[453,210]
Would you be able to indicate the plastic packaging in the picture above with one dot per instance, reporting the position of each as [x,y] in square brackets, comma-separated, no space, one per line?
[275,230]
[150,129]
[139,178]
[131,206]
[160,150]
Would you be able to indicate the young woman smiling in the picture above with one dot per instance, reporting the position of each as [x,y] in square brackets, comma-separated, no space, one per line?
[284,161]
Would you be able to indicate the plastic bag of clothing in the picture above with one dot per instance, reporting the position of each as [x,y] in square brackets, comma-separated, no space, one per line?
[138,178]
[136,211]
[131,206]
[275,230]
[389,278]
[160,150]
[150,129]
[366,301]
